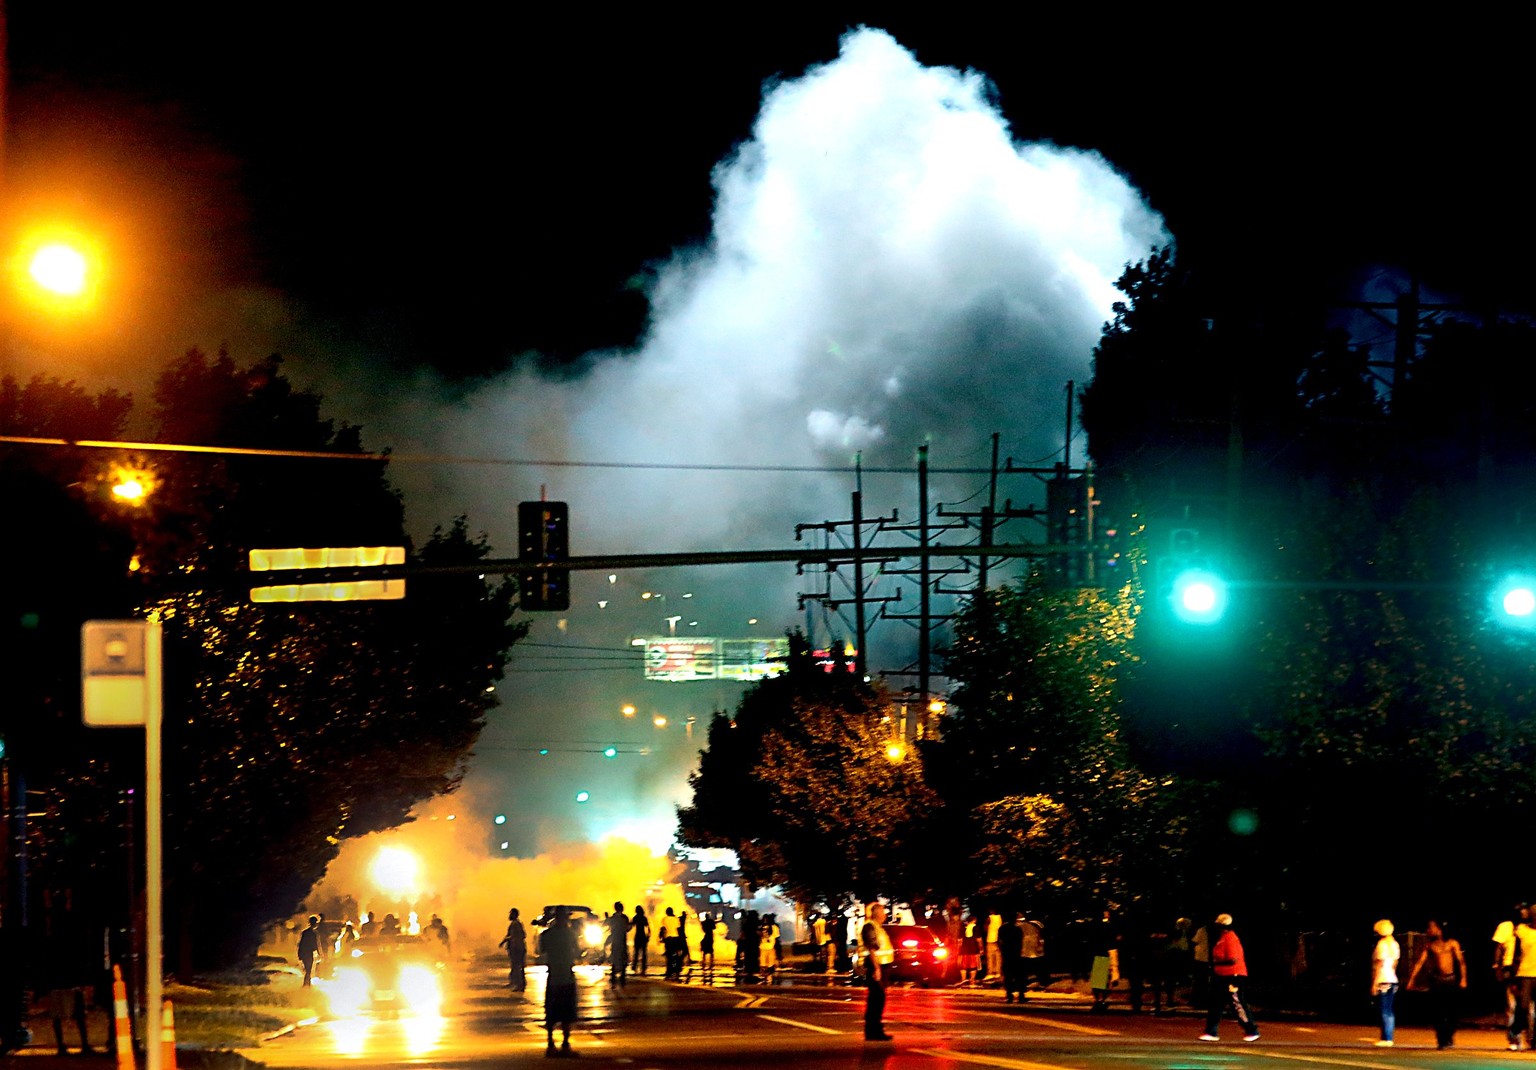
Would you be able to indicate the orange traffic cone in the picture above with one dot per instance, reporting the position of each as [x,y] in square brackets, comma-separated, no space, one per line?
[123,1028]
[168,1037]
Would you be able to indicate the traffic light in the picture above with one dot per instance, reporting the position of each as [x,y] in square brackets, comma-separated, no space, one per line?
[1197,592]
[1514,602]
[1199,596]
[543,537]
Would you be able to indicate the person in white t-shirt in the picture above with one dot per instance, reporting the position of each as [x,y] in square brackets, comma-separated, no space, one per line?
[1384,960]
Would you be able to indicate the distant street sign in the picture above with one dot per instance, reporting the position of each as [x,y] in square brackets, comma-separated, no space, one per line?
[329,557]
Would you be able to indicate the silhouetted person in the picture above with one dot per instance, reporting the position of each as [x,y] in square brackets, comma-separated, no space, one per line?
[309,947]
[560,951]
[618,947]
[749,948]
[516,943]
[707,942]
[439,932]
[640,926]
[1010,949]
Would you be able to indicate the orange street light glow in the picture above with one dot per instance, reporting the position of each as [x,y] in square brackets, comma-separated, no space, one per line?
[60,269]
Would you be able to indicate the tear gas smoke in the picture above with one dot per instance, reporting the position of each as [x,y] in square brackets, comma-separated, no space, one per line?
[887,268]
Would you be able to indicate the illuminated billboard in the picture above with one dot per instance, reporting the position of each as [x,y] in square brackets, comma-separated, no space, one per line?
[676,661]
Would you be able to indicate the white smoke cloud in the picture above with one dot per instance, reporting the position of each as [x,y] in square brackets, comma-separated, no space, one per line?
[887,267]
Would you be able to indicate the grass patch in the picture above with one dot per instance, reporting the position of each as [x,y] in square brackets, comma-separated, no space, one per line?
[235,1010]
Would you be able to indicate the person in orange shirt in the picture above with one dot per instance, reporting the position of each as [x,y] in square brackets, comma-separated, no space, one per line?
[1230,977]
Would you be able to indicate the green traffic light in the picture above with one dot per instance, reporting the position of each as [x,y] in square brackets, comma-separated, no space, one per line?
[1514,601]
[610,752]
[501,819]
[1199,596]
[582,796]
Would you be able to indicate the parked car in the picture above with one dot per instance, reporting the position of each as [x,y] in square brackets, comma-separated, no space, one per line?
[918,955]
[591,933]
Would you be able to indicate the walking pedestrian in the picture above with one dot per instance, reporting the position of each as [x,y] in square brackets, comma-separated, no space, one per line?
[309,947]
[1444,973]
[1229,976]
[618,947]
[1384,960]
[559,949]
[640,926]
[516,943]
[878,954]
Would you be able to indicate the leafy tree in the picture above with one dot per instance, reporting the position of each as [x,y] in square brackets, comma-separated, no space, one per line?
[799,784]
[1033,762]
[288,726]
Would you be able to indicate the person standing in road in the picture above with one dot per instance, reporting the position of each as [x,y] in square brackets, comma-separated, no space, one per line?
[560,951]
[707,943]
[1229,977]
[1445,978]
[640,926]
[1520,1032]
[1010,953]
[618,947]
[1504,965]
[1384,960]
[1033,953]
[516,943]
[994,972]
[878,954]
[309,947]
[666,935]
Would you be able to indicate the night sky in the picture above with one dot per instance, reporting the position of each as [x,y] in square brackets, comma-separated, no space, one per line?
[449,209]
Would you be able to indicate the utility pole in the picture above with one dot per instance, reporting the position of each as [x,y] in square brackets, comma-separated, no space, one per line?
[925,573]
[860,596]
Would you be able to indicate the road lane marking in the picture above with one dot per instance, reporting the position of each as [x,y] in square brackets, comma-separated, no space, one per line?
[991,1060]
[1325,1062]
[751,1001]
[1070,1027]
[801,1025]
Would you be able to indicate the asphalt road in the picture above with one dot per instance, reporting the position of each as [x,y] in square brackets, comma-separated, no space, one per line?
[654,1025]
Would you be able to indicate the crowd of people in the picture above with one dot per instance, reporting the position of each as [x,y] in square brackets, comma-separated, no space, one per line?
[1001,949]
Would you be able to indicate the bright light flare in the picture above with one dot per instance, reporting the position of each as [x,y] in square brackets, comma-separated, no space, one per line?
[1199,596]
[420,990]
[396,871]
[594,935]
[346,992]
[60,269]
[1514,601]
[895,750]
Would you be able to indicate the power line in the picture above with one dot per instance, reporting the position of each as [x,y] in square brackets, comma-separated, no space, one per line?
[429,458]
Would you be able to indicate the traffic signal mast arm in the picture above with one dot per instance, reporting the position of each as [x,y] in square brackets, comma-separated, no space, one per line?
[617,562]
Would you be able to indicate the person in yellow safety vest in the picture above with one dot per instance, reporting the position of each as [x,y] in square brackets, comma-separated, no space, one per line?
[878,954]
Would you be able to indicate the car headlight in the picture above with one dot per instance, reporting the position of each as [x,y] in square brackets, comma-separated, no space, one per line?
[347,992]
[594,934]
[419,989]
